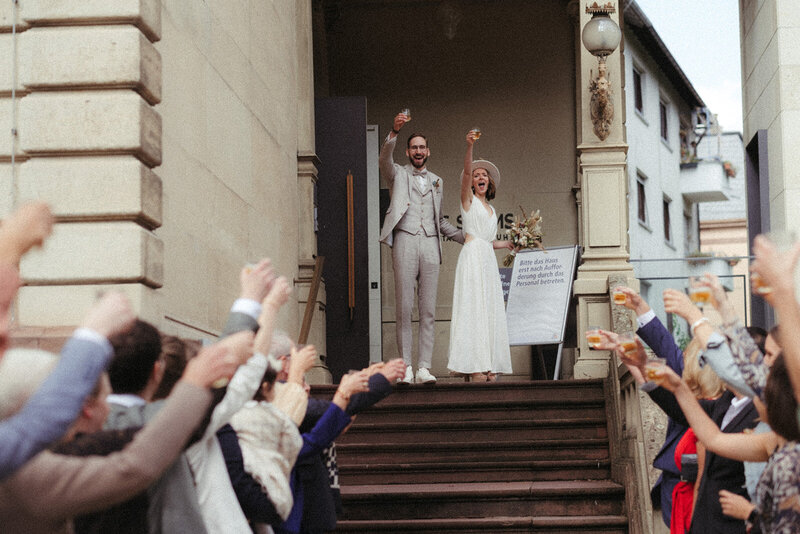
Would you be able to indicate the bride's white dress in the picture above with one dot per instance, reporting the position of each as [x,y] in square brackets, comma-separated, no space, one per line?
[478,331]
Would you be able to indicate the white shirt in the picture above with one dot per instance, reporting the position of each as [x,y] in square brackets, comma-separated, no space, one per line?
[127,400]
[736,407]
[645,318]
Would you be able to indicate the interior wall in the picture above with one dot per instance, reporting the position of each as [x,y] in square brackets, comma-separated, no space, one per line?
[507,67]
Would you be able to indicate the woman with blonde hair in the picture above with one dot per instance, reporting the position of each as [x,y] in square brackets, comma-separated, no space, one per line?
[705,384]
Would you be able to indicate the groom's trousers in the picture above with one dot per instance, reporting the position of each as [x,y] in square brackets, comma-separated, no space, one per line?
[415,259]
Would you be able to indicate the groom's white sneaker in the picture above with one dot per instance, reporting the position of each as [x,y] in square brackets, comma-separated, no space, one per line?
[408,378]
[424,376]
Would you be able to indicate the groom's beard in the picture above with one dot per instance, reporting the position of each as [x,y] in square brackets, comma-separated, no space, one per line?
[418,163]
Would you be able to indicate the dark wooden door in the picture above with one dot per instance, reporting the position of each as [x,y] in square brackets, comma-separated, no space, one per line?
[341,147]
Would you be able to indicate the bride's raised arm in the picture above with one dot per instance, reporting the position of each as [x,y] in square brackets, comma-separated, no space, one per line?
[466,174]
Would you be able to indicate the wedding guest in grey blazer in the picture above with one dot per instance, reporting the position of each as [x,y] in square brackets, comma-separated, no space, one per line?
[412,227]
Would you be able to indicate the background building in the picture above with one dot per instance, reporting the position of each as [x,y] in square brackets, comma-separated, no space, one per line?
[668,179]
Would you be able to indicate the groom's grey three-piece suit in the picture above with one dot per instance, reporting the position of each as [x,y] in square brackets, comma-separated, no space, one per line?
[412,226]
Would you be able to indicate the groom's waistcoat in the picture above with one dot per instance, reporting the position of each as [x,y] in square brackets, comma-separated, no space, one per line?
[419,216]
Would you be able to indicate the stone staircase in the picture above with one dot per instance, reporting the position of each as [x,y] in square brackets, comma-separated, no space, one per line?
[506,457]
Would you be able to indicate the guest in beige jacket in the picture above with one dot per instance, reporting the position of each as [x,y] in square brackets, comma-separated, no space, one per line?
[50,489]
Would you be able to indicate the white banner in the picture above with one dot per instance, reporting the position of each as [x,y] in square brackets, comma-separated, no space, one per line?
[539,296]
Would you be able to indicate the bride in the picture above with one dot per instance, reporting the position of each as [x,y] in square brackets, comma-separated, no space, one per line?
[478,333]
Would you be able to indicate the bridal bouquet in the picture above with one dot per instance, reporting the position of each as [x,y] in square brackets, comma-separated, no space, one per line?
[525,233]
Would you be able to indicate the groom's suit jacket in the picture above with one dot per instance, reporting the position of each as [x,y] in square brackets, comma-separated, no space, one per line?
[401,179]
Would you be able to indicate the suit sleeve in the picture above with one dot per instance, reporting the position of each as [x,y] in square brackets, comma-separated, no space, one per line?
[718,355]
[663,344]
[254,502]
[329,426]
[386,162]
[239,322]
[51,410]
[57,487]
[243,385]
[379,388]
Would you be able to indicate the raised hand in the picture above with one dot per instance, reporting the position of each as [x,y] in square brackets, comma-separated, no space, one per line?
[393,370]
[634,301]
[665,377]
[110,315]
[775,268]
[354,382]
[678,302]
[471,137]
[278,294]
[399,120]
[211,365]
[24,229]
[257,280]
[609,340]
[239,346]
[302,362]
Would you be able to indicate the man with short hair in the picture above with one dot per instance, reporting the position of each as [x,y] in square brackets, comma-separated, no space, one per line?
[412,227]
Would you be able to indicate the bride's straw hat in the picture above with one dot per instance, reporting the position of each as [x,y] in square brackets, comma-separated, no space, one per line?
[490,167]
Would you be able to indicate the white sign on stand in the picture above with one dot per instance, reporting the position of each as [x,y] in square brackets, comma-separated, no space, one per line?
[539,297]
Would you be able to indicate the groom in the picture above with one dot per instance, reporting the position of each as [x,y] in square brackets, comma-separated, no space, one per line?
[412,227]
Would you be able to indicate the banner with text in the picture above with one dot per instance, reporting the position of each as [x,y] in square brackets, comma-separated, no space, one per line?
[539,295]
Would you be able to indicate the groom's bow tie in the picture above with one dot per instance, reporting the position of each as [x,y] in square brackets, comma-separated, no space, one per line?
[420,173]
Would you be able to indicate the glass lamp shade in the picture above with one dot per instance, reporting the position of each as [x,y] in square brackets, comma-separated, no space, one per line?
[601,35]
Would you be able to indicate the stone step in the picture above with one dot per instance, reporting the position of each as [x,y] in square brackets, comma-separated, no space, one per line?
[461,430]
[349,452]
[486,499]
[480,410]
[432,394]
[487,471]
[595,524]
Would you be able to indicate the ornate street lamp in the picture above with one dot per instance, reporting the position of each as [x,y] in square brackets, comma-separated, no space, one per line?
[601,36]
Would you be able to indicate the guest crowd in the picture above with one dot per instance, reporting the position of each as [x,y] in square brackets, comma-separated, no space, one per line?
[731,459]
[131,430]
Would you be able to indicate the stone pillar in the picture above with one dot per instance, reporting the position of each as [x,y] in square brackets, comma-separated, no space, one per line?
[307,163]
[87,78]
[601,194]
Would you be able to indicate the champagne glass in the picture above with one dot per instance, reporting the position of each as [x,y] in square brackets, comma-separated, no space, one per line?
[654,367]
[619,297]
[627,341]
[593,337]
[699,292]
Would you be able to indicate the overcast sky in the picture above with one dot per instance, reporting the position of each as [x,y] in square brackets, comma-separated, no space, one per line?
[703,36]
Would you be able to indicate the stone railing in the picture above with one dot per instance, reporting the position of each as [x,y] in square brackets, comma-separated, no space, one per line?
[626,434]
[627,444]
